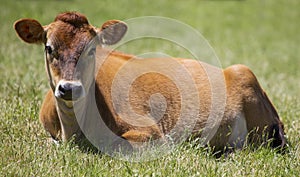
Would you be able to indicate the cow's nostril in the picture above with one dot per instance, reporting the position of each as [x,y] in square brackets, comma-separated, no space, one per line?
[61,89]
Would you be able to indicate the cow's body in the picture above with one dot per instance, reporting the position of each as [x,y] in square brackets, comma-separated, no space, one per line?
[246,107]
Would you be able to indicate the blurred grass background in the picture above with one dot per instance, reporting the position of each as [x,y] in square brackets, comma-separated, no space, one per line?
[262,34]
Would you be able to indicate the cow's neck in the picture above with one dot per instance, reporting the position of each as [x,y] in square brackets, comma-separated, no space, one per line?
[68,120]
[107,64]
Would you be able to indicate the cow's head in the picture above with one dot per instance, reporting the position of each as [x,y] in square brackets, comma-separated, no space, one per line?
[65,39]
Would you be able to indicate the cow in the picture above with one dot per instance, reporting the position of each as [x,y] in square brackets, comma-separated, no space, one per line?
[245,111]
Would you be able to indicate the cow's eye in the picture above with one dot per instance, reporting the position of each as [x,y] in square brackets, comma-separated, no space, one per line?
[48,49]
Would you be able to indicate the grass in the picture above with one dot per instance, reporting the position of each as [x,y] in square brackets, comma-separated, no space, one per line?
[263,34]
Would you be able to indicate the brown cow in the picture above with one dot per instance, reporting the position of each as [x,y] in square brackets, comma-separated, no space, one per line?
[247,109]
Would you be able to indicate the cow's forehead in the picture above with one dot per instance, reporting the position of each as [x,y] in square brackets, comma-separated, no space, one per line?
[60,34]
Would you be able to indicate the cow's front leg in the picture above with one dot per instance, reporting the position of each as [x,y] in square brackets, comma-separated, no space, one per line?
[49,117]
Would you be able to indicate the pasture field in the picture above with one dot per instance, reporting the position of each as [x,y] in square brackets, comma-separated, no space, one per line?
[262,34]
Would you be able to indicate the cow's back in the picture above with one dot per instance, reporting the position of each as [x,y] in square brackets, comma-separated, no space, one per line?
[165,90]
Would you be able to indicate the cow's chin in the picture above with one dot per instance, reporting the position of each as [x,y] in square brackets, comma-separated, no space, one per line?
[69,102]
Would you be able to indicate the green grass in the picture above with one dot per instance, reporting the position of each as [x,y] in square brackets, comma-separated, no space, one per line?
[263,34]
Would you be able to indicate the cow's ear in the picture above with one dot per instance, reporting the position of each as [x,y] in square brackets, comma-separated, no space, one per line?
[29,30]
[112,32]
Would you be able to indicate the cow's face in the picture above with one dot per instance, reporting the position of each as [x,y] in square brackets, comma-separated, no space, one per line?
[65,39]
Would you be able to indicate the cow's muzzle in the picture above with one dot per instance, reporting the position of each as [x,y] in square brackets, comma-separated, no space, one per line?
[69,90]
